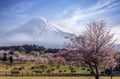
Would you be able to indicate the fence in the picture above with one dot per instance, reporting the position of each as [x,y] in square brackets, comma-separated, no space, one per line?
[51,74]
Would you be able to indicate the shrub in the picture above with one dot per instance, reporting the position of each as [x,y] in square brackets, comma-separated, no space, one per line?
[108,71]
[91,72]
[102,72]
[15,68]
[73,71]
[48,71]
[52,69]
[20,68]
[70,67]
[15,71]
[88,69]
[6,67]
[60,71]
[83,68]
[33,67]
[64,70]
[42,66]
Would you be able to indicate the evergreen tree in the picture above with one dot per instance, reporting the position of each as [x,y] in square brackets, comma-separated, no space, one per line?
[11,59]
[4,58]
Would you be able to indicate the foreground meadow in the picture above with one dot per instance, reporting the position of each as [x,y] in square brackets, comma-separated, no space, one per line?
[57,78]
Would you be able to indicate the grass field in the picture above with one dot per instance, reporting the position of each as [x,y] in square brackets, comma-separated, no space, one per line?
[27,68]
[57,78]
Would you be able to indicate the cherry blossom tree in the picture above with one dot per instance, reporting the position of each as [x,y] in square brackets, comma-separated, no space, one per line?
[95,47]
[56,61]
[70,57]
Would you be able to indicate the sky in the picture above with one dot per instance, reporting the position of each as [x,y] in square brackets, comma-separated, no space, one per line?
[70,14]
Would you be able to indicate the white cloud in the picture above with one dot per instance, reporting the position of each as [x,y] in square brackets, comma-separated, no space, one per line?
[116,31]
[101,4]
[81,16]
[117,4]
[113,20]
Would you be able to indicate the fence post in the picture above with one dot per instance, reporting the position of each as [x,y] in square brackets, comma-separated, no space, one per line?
[11,74]
[22,73]
[27,73]
[32,73]
[5,73]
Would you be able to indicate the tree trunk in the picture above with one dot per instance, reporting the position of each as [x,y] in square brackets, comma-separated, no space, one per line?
[111,75]
[97,76]
[93,73]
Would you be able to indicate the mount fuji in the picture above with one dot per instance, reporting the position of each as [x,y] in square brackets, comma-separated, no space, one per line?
[36,31]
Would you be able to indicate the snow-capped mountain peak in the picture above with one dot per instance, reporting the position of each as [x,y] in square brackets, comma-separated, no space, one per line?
[42,24]
[37,31]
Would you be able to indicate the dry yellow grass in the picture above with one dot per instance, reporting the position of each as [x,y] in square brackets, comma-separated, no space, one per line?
[57,78]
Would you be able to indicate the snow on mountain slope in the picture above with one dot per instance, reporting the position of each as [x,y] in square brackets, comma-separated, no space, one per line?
[36,31]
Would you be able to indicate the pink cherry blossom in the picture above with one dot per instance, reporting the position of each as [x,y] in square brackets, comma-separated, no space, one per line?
[96,46]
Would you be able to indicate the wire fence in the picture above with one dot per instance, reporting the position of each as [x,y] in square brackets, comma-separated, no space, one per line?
[51,74]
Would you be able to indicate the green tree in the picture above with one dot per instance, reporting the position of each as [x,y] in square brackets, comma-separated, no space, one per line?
[11,59]
[4,57]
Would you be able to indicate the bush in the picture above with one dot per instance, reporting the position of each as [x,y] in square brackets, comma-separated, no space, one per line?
[73,71]
[117,68]
[52,69]
[20,68]
[48,71]
[15,71]
[6,67]
[91,72]
[88,69]
[64,70]
[15,68]
[40,67]
[83,68]
[70,67]
[108,71]
[102,72]
[60,71]
[33,67]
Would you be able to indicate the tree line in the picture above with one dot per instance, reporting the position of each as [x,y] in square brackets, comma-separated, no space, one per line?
[28,48]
